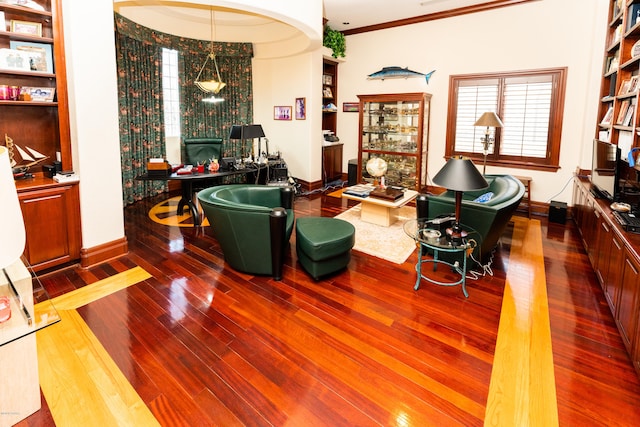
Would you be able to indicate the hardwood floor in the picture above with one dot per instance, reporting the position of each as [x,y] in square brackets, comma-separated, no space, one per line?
[204,345]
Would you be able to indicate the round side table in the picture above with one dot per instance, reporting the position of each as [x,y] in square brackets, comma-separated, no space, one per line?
[434,244]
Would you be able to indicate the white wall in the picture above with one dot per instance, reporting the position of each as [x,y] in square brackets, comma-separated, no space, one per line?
[542,34]
[93,105]
[278,82]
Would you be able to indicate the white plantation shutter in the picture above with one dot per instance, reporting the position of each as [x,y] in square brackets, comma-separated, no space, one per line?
[525,114]
[474,98]
[525,101]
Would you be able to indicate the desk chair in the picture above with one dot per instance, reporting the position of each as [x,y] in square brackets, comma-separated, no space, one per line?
[201,150]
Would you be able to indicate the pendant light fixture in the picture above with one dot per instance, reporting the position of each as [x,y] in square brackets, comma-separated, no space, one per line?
[215,84]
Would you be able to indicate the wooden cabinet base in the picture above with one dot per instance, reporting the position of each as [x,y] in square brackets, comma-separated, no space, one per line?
[51,214]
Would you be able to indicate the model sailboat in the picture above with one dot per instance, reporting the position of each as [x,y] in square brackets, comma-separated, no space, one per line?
[29,156]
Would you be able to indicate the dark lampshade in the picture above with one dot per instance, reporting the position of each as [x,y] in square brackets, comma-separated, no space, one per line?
[460,174]
[246,132]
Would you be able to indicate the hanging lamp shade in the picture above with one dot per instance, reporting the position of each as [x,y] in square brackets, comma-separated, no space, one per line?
[215,84]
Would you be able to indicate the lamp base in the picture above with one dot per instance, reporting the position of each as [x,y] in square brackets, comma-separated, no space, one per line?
[456,235]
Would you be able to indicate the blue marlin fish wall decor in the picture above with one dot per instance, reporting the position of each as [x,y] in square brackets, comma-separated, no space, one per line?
[398,73]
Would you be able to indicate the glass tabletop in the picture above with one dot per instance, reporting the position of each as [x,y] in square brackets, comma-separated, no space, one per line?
[433,233]
[31,308]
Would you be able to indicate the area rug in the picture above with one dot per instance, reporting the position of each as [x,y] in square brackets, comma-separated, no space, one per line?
[389,243]
[166,213]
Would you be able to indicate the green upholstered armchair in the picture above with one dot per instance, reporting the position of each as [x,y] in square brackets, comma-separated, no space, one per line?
[489,218]
[253,224]
[201,150]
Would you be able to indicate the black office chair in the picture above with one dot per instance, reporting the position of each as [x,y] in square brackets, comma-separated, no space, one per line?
[202,150]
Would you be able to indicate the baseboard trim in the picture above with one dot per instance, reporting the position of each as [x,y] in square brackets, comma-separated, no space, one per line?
[90,257]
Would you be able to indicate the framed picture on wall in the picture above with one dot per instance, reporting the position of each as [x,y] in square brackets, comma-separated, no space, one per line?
[350,107]
[282,112]
[301,108]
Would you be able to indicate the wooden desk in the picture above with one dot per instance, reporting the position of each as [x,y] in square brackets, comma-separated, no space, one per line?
[187,184]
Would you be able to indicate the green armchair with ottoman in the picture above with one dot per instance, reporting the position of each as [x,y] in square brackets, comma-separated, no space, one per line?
[487,211]
[253,224]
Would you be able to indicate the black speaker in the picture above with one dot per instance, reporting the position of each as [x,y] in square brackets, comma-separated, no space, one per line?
[352,172]
[422,206]
[558,212]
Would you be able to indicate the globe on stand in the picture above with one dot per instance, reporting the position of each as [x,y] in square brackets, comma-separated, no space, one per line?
[377,167]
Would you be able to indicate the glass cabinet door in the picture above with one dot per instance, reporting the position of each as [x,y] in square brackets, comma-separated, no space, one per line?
[394,128]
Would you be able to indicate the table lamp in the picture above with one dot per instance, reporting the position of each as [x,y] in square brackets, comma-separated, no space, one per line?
[243,132]
[490,120]
[459,174]
[11,222]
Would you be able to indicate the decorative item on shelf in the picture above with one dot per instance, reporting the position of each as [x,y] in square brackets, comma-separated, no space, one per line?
[14,60]
[490,120]
[459,174]
[40,55]
[215,83]
[635,49]
[39,94]
[377,167]
[26,27]
[28,157]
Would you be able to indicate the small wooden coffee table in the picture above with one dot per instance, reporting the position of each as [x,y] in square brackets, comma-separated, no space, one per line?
[380,211]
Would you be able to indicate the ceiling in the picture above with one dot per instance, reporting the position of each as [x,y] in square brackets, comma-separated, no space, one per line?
[350,14]
[193,20]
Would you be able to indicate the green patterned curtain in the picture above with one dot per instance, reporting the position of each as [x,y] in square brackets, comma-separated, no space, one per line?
[141,118]
[198,119]
[201,119]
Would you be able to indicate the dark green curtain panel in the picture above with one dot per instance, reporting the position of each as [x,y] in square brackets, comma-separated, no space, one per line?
[139,53]
[140,105]
[201,119]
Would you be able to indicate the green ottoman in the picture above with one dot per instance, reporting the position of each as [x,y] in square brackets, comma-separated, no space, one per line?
[324,244]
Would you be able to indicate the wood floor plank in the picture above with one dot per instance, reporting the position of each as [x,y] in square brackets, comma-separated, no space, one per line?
[522,390]
[81,383]
[97,290]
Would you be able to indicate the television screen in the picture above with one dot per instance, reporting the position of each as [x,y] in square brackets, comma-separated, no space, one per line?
[605,169]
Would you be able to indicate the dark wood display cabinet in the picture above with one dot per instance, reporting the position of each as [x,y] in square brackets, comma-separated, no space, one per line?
[39,126]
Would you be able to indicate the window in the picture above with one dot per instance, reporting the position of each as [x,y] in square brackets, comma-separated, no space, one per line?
[171,92]
[530,105]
